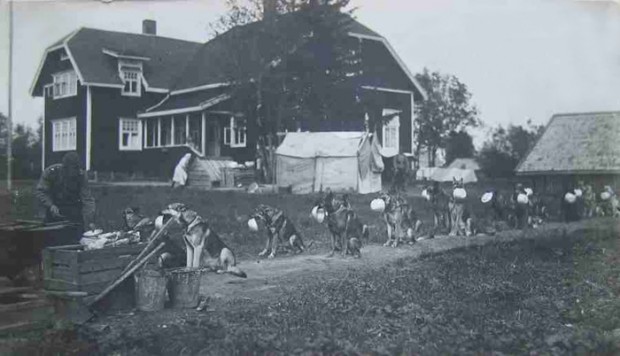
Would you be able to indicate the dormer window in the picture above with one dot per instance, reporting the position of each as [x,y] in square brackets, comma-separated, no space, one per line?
[131,81]
[65,84]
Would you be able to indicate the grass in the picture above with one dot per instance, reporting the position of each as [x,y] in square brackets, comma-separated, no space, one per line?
[538,297]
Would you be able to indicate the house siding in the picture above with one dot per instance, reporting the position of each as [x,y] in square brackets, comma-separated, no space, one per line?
[73,106]
[376,100]
[107,107]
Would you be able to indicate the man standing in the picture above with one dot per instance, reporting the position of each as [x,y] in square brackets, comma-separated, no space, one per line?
[63,191]
[399,179]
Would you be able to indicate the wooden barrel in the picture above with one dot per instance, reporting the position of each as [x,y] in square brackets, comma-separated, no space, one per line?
[150,290]
[184,287]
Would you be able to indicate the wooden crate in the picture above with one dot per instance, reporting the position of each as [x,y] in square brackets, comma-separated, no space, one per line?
[71,268]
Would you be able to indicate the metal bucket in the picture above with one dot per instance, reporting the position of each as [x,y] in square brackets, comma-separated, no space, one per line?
[184,287]
[150,290]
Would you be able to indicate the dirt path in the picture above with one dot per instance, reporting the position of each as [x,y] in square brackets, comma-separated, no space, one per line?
[266,276]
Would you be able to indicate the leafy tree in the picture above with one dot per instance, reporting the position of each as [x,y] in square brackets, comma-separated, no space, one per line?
[447,109]
[505,148]
[299,66]
[459,145]
[26,150]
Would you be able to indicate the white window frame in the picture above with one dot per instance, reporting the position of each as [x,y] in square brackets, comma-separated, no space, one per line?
[235,135]
[69,80]
[127,67]
[137,146]
[137,86]
[391,146]
[64,134]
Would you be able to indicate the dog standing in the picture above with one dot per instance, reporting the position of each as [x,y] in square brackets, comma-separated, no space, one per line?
[346,228]
[280,230]
[199,237]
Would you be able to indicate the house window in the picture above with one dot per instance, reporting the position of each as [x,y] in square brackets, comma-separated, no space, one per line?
[180,130]
[64,135]
[151,133]
[235,133]
[65,84]
[391,132]
[166,131]
[130,137]
[131,81]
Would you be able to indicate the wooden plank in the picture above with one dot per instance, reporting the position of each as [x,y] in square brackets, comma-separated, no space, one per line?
[13,290]
[65,274]
[66,247]
[100,276]
[111,251]
[102,265]
[65,257]
[59,285]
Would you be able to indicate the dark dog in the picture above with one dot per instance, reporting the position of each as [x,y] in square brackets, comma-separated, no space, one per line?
[346,228]
[200,237]
[280,230]
[400,219]
[439,202]
[135,221]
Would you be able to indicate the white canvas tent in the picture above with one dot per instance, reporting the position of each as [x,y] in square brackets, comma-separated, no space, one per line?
[446,175]
[314,161]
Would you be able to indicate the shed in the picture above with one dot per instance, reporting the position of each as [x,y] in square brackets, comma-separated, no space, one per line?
[342,161]
[575,147]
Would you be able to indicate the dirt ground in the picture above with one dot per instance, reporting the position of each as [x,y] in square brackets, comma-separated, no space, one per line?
[552,291]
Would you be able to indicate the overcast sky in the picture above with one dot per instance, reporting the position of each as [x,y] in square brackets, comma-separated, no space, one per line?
[520,58]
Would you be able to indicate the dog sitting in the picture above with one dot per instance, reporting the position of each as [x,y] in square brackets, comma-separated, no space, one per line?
[199,237]
[457,208]
[343,223]
[400,219]
[280,230]
[439,201]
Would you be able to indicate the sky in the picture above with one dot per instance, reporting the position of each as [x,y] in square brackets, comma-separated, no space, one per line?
[521,59]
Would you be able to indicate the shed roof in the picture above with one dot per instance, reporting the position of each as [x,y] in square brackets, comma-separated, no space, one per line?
[320,144]
[576,143]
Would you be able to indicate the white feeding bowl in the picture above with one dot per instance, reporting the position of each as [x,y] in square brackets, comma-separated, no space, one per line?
[159,222]
[459,193]
[486,197]
[522,199]
[578,193]
[425,195]
[605,195]
[377,205]
[253,225]
[570,198]
[529,191]
[318,214]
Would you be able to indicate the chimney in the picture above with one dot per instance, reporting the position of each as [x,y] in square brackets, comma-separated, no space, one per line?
[149,27]
[270,9]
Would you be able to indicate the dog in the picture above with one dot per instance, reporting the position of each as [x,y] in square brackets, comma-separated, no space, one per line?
[199,237]
[440,202]
[170,256]
[343,223]
[400,219]
[135,221]
[280,230]
[457,208]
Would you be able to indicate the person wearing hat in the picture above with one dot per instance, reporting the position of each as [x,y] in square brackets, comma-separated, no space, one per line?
[64,193]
